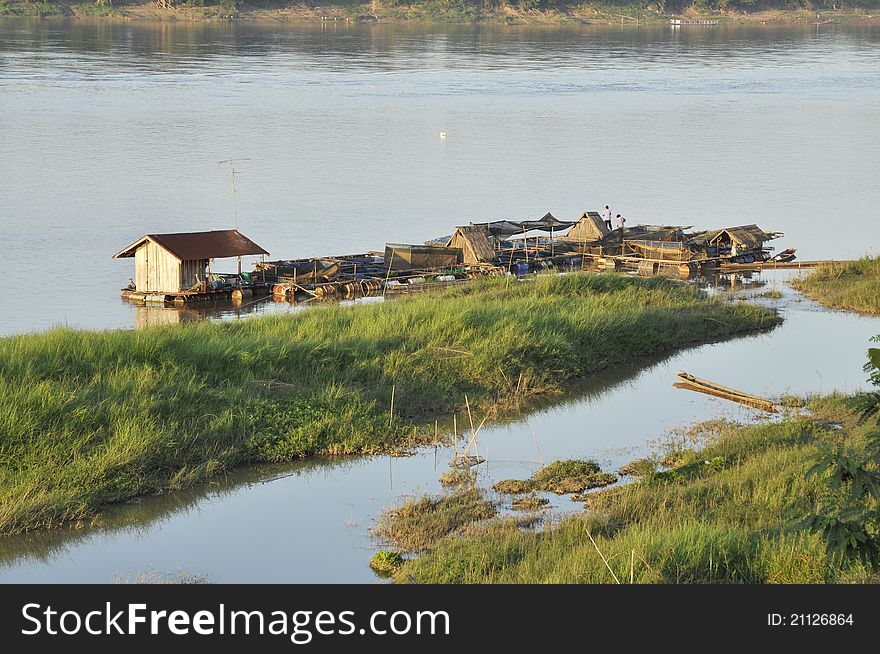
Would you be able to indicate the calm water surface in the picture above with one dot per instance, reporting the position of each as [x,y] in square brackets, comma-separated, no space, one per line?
[112,130]
[108,131]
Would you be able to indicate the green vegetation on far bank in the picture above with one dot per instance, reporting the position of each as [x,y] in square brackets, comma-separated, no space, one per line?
[451,11]
[854,285]
[739,506]
[88,418]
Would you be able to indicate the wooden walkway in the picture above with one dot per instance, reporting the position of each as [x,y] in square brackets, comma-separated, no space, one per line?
[770,265]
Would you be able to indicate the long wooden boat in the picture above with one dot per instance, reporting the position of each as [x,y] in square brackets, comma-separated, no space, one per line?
[690,382]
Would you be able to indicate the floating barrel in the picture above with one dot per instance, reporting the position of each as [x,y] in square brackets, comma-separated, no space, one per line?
[370,286]
[154,299]
[350,289]
[446,278]
[609,264]
[648,268]
[325,290]
[416,280]
[687,269]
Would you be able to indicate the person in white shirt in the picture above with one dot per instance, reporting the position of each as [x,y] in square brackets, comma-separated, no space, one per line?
[606,217]
[619,222]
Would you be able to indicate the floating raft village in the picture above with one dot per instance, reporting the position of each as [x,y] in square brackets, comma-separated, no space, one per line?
[176,268]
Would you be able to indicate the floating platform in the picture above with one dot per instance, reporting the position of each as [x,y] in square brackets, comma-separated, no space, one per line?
[196,297]
[687,22]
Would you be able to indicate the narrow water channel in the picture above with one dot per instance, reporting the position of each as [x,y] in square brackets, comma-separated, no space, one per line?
[310,521]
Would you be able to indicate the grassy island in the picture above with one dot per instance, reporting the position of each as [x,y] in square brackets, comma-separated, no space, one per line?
[88,418]
[854,285]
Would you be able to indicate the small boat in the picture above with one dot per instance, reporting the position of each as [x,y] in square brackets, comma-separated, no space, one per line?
[691,383]
[785,255]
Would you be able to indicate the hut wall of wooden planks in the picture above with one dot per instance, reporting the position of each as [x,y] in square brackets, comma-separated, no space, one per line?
[156,269]
[176,263]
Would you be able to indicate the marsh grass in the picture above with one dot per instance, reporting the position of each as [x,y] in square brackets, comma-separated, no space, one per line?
[561,477]
[738,520]
[419,523]
[854,285]
[89,418]
[529,503]
[385,563]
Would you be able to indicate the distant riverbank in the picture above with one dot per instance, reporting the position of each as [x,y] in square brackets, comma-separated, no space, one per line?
[525,12]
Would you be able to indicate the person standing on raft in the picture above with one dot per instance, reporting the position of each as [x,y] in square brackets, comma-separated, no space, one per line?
[619,222]
[606,217]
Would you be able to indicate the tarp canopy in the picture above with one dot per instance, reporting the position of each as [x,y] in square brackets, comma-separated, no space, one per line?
[506,228]
[672,233]
[401,256]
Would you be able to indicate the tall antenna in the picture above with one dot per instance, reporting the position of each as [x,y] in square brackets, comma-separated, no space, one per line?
[232,175]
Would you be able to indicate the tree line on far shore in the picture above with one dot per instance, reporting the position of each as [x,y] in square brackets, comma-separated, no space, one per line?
[443,9]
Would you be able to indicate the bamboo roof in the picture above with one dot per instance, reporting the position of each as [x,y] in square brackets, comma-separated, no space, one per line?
[474,243]
[589,227]
[749,236]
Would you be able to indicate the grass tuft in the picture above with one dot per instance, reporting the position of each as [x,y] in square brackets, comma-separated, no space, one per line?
[419,524]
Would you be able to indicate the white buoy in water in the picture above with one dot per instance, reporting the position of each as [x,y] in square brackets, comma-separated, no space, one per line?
[442,135]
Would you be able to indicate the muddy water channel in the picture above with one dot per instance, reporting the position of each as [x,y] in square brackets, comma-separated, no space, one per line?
[310,521]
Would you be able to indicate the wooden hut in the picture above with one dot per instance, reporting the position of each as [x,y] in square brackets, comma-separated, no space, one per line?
[589,228]
[172,263]
[473,241]
[735,240]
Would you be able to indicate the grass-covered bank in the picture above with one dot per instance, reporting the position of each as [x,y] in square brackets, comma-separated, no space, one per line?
[854,285]
[514,12]
[88,418]
[734,509]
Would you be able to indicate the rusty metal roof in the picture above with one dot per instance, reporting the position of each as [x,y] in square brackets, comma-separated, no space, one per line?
[187,246]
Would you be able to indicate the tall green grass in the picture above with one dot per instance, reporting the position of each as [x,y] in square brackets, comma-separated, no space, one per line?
[88,418]
[733,513]
[854,285]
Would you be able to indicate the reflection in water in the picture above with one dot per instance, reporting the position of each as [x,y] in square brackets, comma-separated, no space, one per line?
[138,517]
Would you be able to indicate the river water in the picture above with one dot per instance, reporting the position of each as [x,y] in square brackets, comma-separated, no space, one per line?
[111,130]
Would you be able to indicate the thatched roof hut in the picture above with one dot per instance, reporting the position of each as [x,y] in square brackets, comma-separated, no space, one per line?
[474,243]
[589,228]
[745,237]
